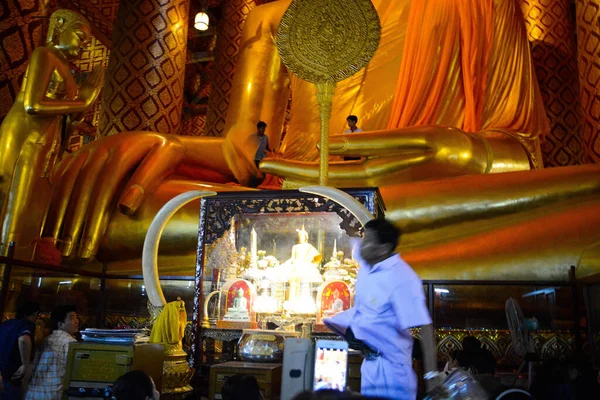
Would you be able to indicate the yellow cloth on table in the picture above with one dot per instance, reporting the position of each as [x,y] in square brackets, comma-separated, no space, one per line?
[169,327]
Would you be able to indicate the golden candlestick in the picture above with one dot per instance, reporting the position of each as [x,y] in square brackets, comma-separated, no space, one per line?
[324,42]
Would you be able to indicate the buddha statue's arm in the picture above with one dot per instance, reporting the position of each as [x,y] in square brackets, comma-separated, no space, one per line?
[139,161]
[409,154]
[260,90]
[42,65]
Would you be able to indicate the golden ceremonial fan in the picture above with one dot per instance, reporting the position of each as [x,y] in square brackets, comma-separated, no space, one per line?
[324,42]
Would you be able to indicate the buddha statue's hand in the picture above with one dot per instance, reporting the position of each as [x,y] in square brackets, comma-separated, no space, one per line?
[407,154]
[91,87]
[86,184]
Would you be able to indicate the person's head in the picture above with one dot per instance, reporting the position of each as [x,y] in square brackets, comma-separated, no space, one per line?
[69,31]
[135,385]
[471,343]
[352,120]
[241,387]
[260,127]
[65,318]
[29,310]
[379,240]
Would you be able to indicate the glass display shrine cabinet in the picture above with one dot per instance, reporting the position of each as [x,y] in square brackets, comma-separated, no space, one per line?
[271,260]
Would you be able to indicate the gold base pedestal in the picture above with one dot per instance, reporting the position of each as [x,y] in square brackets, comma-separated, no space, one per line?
[177,374]
[222,324]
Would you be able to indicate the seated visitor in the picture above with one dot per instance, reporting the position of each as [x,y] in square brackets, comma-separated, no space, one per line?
[50,363]
[473,357]
[16,344]
[241,387]
[352,120]
[480,363]
[135,385]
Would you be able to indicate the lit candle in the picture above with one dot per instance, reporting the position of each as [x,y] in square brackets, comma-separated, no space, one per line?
[253,247]
[334,248]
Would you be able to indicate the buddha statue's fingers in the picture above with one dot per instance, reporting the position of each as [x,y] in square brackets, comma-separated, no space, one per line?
[79,199]
[87,186]
[63,180]
[116,169]
[160,161]
[368,172]
[379,143]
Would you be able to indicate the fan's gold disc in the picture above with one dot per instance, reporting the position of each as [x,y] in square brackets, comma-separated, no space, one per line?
[328,40]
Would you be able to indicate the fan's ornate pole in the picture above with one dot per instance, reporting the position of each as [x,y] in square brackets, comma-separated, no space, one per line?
[325,92]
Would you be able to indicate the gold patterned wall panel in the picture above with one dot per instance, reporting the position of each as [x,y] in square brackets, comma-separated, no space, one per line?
[95,54]
[193,125]
[143,87]
[551,32]
[547,344]
[588,44]
[234,14]
[21,31]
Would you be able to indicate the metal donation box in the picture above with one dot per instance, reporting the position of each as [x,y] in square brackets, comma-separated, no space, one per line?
[92,368]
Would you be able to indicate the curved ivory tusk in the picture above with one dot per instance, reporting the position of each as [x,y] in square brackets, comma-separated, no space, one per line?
[150,251]
[342,198]
[205,322]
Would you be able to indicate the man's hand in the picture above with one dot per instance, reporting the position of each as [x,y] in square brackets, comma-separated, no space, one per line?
[433,380]
[20,372]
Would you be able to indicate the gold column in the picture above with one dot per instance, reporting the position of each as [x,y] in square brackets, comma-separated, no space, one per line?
[551,31]
[143,88]
[21,31]
[226,51]
[588,45]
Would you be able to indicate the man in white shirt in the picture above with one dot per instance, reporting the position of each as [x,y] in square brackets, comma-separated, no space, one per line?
[352,120]
[388,301]
[50,365]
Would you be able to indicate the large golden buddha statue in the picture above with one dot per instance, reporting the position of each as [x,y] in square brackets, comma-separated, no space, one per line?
[30,135]
[446,100]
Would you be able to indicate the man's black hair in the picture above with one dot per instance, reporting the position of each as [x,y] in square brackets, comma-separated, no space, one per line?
[352,118]
[261,124]
[134,385]
[241,387]
[27,309]
[59,314]
[386,232]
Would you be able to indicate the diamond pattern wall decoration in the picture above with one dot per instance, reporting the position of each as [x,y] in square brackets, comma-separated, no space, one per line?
[146,68]
[21,30]
[229,35]
[588,45]
[551,33]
